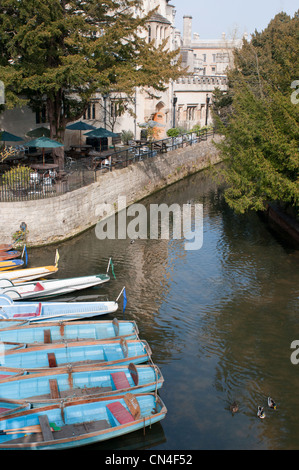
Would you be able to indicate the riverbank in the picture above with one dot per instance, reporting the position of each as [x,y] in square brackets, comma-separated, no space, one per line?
[59,218]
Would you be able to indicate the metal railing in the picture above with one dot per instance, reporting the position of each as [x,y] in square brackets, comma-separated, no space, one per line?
[78,173]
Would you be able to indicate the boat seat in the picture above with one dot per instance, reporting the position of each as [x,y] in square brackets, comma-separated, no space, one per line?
[52,360]
[46,428]
[47,336]
[120,380]
[120,413]
[54,388]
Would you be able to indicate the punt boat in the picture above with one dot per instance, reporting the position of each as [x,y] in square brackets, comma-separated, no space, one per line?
[73,384]
[109,352]
[80,423]
[56,332]
[11,264]
[5,255]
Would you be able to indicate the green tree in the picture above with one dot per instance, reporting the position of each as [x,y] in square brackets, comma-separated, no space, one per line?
[259,121]
[59,53]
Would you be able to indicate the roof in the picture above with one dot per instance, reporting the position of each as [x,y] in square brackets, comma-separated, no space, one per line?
[157,18]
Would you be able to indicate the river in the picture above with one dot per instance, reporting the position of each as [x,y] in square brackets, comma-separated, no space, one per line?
[219,320]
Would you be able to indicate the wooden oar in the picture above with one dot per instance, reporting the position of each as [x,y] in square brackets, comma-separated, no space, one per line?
[33,428]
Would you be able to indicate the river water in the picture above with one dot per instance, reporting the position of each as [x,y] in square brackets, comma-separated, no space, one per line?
[219,320]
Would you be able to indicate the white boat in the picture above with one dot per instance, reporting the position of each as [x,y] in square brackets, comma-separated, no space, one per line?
[53,311]
[50,288]
[18,276]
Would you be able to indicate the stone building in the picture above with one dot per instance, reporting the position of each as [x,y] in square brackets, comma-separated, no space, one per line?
[185,103]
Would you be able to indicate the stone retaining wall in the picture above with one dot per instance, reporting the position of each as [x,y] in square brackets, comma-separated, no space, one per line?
[58,218]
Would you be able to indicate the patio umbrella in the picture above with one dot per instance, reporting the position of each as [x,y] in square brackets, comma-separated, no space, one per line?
[8,137]
[101,132]
[44,142]
[80,126]
[39,132]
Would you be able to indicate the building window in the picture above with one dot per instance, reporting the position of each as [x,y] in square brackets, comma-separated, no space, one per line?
[213,58]
[204,57]
[180,112]
[191,113]
[90,112]
[149,34]
[116,108]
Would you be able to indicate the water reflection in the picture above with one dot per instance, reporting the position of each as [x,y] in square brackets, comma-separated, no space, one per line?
[219,321]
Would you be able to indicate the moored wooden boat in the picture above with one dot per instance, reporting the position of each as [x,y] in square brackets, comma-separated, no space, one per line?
[80,382]
[5,247]
[80,423]
[53,311]
[11,264]
[56,332]
[5,255]
[104,353]
[18,276]
[51,287]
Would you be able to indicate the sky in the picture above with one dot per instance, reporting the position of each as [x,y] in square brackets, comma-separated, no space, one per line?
[233,17]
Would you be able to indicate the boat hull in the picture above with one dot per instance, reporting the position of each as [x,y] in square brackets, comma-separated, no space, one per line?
[18,276]
[6,255]
[110,352]
[57,332]
[51,288]
[80,383]
[84,423]
[52,311]
[11,264]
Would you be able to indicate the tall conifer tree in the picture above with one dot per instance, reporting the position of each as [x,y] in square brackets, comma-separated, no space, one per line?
[260,122]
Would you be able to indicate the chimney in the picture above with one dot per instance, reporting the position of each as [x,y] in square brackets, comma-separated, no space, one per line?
[187,33]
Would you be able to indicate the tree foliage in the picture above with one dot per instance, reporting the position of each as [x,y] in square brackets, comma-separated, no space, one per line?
[259,121]
[60,52]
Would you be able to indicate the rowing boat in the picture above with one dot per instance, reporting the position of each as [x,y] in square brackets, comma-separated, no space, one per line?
[5,247]
[50,386]
[51,287]
[109,352]
[18,276]
[80,423]
[5,255]
[11,264]
[56,332]
[53,311]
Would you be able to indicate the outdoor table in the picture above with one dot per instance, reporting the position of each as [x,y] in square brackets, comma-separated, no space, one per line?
[45,166]
[80,149]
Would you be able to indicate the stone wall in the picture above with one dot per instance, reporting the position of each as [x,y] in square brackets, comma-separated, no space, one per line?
[58,218]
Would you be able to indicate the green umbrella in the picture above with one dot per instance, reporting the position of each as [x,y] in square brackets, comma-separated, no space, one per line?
[39,132]
[101,132]
[44,142]
[80,126]
[8,137]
